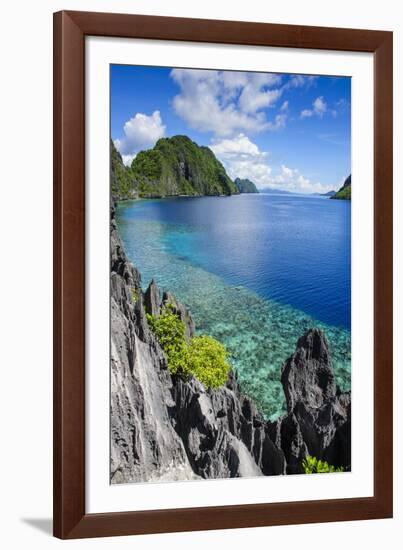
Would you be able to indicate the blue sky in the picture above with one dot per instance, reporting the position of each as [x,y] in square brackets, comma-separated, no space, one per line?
[281,131]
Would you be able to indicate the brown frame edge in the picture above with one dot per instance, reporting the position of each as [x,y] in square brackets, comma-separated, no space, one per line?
[70,519]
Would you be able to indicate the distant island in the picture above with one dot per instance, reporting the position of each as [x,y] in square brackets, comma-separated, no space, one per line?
[329,194]
[345,190]
[176,166]
[245,186]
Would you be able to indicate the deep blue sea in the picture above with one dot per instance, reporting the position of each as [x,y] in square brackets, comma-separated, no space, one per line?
[256,270]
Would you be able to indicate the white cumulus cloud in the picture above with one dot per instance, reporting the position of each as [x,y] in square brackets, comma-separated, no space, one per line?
[140,132]
[300,80]
[255,94]
[291,179]
[240,145]
[128,159]
[242,158]
[258,172]
[226,103]
[306,113]
[319,108]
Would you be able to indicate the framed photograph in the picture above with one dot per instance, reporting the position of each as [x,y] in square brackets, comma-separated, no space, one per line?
[223,274]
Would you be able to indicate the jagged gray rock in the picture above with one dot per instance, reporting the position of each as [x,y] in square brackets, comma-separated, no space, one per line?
[144,444]
[318,422]
[223,433]
[182,311]
[307,376]
[152,299]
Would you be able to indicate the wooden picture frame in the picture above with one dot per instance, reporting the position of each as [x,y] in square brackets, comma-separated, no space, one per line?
[70,517]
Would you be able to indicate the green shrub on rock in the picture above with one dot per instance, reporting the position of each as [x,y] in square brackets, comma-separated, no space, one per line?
[312,465]
[170,333]
[208,361]
[203,357]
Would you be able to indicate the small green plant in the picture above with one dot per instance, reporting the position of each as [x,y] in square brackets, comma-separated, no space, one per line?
[312,465]
[203,357]
[208,361]
[135,294]
[170,332]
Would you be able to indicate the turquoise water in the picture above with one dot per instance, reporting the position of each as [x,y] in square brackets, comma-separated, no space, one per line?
[222,280]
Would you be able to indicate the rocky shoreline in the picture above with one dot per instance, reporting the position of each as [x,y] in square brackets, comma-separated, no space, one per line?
[167,428]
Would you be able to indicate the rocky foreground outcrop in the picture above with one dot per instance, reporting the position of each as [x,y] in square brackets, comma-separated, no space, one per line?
[167,428]
[318,422]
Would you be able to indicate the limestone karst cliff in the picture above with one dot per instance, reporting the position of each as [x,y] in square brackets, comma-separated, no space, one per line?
[245,185]
[166,428]
[174,166]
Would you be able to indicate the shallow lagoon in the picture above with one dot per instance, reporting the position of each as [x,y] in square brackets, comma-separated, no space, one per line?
[256,271]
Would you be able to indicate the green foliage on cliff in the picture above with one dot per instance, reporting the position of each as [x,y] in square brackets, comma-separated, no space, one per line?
[345,191]
[122,181]
[312,465]
[245,186]
[203,357]
[208,361]
[170,332]
[178,166]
